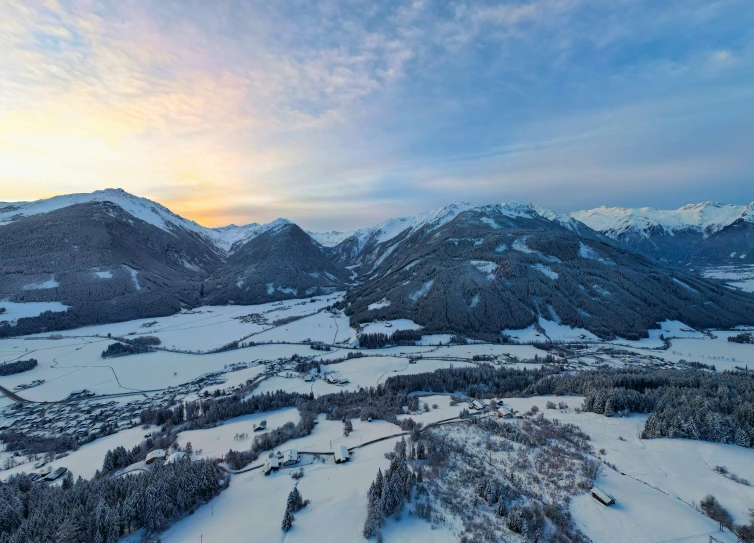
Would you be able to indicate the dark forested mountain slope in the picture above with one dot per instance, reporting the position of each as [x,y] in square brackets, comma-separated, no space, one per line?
[103,262]
[502,267]
[283,262]
[113,261]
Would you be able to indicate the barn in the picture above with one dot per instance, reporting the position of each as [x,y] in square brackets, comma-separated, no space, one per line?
[155,455]
[272,464]
[341,454]
[601,496]
[57,474]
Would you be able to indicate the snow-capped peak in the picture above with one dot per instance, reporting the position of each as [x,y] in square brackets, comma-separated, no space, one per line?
[706,217]
[391,228]
[141,208]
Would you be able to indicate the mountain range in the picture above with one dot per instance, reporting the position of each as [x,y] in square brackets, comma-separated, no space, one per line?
[477,270]
[694,236]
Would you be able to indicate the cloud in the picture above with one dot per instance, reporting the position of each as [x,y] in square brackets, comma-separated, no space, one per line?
[350,112]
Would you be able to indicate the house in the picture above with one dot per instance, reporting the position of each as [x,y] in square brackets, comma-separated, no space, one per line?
[476,404]
[309,378]
[332,380]
[57,474]
[290,457]
[157,454]
[601,496]
[344,381]
[272,464]
[505,413]
[341,454]
[259,426]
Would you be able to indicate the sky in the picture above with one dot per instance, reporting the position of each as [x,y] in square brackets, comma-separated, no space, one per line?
[339,114]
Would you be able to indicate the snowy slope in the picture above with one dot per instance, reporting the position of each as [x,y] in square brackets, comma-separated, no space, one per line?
[436,218]
[707,218]
[227,236]
[141,208]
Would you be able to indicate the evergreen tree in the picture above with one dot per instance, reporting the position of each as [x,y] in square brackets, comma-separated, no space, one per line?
[287,521]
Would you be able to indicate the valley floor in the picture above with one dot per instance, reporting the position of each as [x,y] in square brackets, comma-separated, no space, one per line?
[656,482]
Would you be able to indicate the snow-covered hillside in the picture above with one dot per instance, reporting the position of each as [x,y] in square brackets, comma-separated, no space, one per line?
[141,208]
[707,218]
[391,228]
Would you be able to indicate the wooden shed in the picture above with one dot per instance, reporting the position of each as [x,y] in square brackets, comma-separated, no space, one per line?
[601,496]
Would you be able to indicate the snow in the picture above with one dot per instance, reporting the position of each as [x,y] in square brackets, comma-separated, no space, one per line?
[253,505]
[143,209]
[330,239]
[422,291]
[19,310]
[397,324]
[227,236]
[520,245]
[487,268]
[552,331]
[707,217]
[435,339]
[378,305]
[660,475]
[134,276]
[546,270]
[323,327]
[215,442]
[585,251]
[736,276]
[104,274]
[50,283]
[85,461]
[436,218]
[684,285]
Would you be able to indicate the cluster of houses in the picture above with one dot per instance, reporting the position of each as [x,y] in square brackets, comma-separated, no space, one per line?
[292,457]
[497,405]
[285,458]
[34,383]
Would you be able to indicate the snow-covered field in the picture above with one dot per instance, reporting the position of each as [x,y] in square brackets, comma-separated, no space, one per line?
[737,276]
[15,310]
[656,484]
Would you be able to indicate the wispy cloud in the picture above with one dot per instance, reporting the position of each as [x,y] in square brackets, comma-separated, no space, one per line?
[337,114]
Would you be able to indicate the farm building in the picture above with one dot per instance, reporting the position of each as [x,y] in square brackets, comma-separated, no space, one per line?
[290,457]
[309,378]
[476,404]
[57,474]
[505,413]
[272,464]
[332,380]
[601,496]
[262,425]
[341,454]
[157,454]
